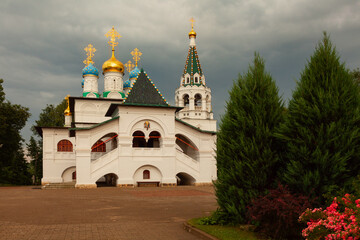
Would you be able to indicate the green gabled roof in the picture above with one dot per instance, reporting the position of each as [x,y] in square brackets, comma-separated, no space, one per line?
[192,64]
[145,92]
[94,126]
[196,128]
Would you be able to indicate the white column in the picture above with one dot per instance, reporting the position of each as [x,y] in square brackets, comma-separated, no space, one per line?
[67,120]
[203,104]
[191,103]
[83,161]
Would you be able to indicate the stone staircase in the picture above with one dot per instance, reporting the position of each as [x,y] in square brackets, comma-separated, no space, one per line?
[59,185]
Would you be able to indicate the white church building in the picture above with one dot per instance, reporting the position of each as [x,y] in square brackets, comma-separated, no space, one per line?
[128,135]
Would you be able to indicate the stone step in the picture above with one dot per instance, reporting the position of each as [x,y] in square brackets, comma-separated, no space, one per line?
[59,185]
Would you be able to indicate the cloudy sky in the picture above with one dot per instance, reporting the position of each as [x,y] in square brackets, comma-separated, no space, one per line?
[42,42]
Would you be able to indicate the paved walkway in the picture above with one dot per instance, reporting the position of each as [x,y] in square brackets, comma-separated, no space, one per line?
[103,213]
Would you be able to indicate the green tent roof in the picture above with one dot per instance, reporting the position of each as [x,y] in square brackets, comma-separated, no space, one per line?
[145,92]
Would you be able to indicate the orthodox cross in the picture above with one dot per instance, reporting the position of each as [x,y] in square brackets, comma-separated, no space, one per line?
[90,50]
[136,55]
[192,20]
[129,66]
[113,34]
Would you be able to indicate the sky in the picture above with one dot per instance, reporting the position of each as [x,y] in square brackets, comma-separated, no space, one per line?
[42,42]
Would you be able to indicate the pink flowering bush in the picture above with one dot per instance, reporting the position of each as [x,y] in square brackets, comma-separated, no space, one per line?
[341,220]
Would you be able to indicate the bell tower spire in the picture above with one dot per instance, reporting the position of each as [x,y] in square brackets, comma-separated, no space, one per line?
[193,94]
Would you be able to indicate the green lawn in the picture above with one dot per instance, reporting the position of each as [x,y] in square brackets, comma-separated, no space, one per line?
[224,232]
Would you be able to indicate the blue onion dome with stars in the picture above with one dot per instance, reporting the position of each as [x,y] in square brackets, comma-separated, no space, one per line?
[127,84]
[134,73]
[90,70]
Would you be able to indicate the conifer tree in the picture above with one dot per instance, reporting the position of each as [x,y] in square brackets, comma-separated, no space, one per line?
[321,129]
[246,151]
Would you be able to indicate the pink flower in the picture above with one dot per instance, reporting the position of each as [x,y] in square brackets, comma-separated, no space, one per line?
[342,224]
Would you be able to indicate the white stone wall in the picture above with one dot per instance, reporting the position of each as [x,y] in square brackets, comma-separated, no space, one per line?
[91,111]
[54,162]
[125,161]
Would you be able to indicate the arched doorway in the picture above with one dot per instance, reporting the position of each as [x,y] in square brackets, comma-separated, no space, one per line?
[147,176]
[186,146]
[139,139]
[108,180]
[68,174]
[104,145]
[186,100]
[185,179]
[154,140]
[198,101]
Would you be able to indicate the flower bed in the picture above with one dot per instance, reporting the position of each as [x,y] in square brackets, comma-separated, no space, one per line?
[340,220]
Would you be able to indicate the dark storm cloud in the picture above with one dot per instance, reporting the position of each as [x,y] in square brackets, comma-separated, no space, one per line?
[41,42]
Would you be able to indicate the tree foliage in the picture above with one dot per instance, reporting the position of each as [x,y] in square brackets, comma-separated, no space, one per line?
[246,159]
[51,116]
[13,117]
[34,148]
[321,129]
[356,75]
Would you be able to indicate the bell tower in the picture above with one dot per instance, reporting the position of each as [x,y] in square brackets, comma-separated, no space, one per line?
[193,94]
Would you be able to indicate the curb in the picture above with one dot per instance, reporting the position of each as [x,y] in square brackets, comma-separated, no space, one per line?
[198,233]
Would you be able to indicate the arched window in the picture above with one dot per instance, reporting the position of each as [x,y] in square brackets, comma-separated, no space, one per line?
[154,140]
[196,80]
[139,139]
[198,100]
[186,100]
[146,174]
[187,80]
[64,146]
[99,146]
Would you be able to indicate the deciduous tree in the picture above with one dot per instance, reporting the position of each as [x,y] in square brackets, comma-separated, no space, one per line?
[13,167]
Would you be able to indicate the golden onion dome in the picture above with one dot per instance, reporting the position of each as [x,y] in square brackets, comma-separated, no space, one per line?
[113,65]
[67,112]
[192,33]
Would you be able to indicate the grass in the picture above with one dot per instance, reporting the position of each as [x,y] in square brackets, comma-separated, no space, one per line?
[224,232]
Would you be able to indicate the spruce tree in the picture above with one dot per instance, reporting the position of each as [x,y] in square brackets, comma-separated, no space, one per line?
[246,153]
[321,129]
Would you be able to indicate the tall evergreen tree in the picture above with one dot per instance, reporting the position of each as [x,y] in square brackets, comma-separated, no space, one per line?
[321,130]
[246,151]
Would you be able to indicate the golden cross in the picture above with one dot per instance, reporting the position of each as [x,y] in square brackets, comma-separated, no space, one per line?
[129,66]
[136,55]
[192,20]
[90,50]
[113,34]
